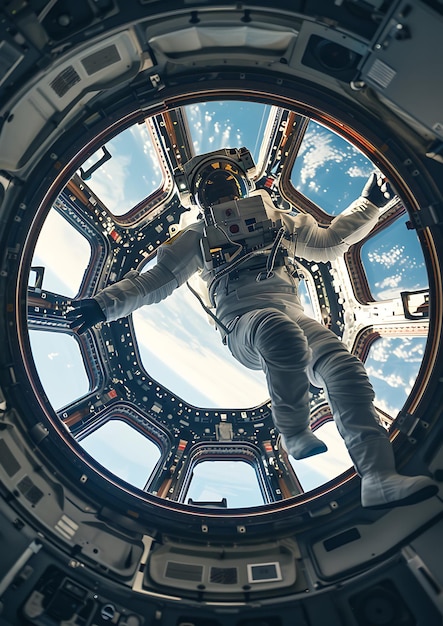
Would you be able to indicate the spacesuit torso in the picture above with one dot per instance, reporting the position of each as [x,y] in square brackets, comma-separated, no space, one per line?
[246,287]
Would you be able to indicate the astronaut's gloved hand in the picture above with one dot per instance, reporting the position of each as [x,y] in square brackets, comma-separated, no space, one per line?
[377,190]
[85,313]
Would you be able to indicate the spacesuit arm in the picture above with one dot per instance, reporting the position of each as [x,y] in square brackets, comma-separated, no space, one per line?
[177,260]
[134,291]
[316,243]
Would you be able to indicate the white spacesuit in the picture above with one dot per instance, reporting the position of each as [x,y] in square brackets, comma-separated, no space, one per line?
[263,323]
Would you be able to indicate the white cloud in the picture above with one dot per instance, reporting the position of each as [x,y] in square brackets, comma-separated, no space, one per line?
[392,366]
[380,350]
[317,150]
[226,136]
[390,281]
[408,352]
[359,171]
[388,258]
[313,186]
[393,380]
[177,332]
[215,129]
[383,405]
[388,294]
[314,160]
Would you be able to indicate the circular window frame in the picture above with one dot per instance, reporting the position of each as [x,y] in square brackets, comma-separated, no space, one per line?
[395,158]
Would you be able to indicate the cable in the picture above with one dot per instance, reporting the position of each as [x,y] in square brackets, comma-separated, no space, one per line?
[231,241]
[272,256]
[207,309]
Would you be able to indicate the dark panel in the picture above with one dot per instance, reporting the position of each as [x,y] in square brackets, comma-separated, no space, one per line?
[8,460]
[381,604]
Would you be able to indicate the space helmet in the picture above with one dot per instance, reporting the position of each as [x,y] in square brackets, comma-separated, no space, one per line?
[219,181]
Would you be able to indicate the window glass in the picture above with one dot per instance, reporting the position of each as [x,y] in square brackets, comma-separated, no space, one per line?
[216,125]
[60,366]
[317,470]
[64,253]
[234,480]
[124,451]
[131,175]
[181,349]
[179,346]
[392,365]
[329,170]
[393,261]
[305,299]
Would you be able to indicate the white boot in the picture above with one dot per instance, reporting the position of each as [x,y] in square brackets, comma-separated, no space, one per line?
[303,444]
[381,486]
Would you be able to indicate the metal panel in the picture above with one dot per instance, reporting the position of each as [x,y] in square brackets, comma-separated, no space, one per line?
[406,52]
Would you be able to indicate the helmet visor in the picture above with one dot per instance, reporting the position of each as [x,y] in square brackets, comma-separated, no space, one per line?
[219,181]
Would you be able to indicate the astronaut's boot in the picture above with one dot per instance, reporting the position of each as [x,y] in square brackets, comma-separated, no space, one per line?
[381,486]
[303,444]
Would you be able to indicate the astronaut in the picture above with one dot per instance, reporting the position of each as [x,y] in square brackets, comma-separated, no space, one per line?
[242,248]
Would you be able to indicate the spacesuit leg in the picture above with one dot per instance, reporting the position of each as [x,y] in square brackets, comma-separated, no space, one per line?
[350,396]
[268,339]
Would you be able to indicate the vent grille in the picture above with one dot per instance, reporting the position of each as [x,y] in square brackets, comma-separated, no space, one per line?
[65,81]
[30,491]
[381,73]
[8,460]
[101,59]
[224,575]
[184,571]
